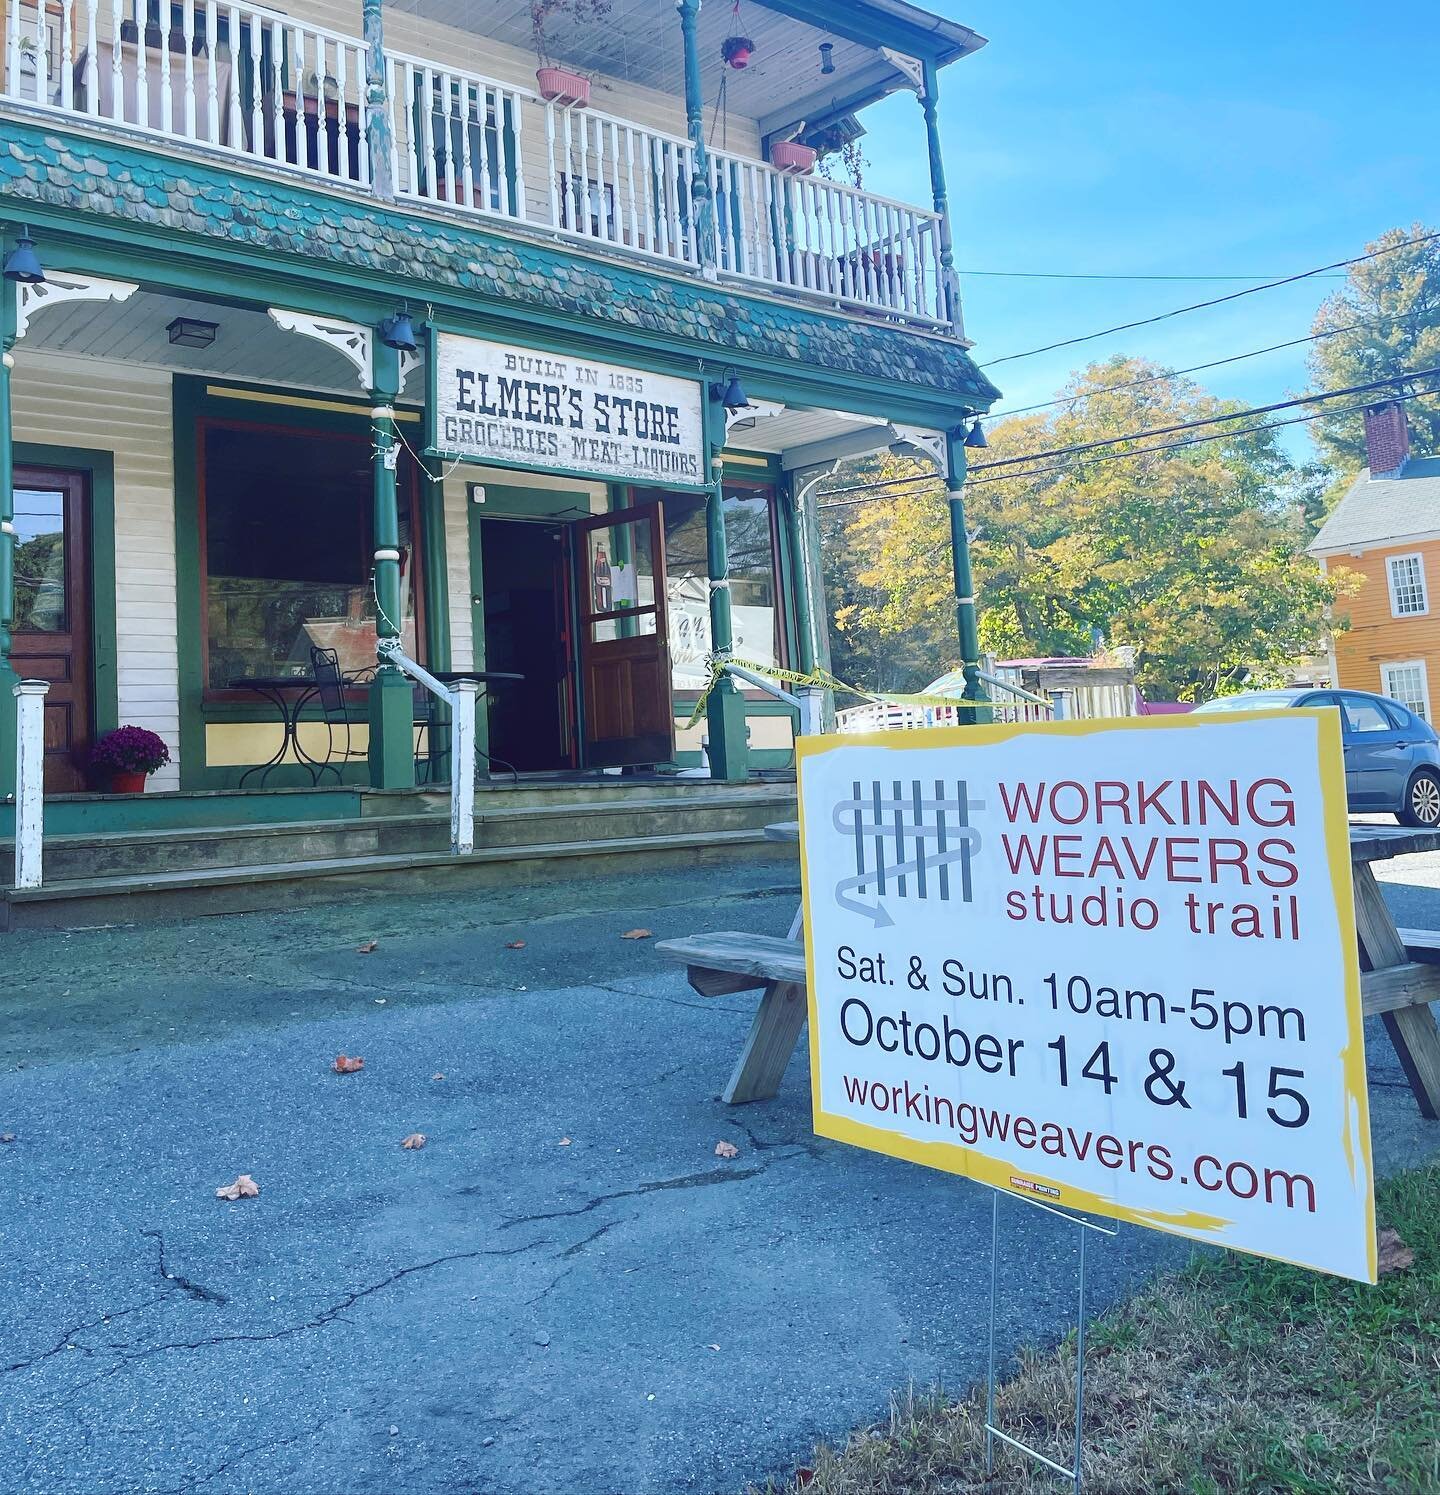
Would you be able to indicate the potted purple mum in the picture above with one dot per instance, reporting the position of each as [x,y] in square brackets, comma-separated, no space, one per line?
[128,755]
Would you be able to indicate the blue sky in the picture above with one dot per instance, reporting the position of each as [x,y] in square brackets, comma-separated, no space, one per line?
[1159,139]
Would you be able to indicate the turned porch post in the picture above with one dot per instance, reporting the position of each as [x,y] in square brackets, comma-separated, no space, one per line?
[379,131]
[930,107]
[9,299]
[392,701]
[725,710]
[966,618]
[702,204]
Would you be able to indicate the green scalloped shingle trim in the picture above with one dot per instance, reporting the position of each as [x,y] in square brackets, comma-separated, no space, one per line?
[104,179]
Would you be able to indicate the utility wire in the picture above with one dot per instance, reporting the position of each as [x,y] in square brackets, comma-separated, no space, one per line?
[1209,420]
[1199,367]
[1268,285]
[1063,467]
[1068,275]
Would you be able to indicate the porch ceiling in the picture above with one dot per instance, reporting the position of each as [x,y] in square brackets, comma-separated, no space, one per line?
[248,345]
[797,432]
[639,41]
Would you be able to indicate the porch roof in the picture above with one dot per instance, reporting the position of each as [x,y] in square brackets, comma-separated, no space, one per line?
[639,41]
[94,179]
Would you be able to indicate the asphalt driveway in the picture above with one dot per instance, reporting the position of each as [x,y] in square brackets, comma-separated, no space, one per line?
[565,1290]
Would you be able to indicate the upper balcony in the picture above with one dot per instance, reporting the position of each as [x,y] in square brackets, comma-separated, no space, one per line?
[624,173]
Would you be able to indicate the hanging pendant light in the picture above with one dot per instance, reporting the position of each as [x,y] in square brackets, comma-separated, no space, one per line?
[975,436]
[398,332]
[22,263]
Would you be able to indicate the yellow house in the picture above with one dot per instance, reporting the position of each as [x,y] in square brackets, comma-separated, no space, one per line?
[1386,530]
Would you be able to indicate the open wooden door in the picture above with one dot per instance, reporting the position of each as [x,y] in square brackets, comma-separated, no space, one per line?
[624,649]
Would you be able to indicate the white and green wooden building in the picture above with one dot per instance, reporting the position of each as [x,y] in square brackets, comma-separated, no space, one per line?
[347,333]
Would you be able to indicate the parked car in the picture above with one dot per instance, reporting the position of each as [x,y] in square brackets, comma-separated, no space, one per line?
[1392,756]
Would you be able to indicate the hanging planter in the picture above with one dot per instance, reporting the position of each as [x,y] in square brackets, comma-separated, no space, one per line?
[792,158]
[737,51]
[558,85]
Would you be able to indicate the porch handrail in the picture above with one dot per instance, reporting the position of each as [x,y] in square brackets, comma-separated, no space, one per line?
[460,697]
[807,700]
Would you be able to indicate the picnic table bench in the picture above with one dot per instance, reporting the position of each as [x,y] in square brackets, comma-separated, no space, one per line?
[1400,975]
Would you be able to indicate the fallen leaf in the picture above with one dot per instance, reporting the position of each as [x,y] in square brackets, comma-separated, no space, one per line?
[804,1476]
[379,1001]
[1392,1254]
[414,1142]
[636,934]
[515,944]
[368,947]
[346,1066]
[712,1347]
[726,1150]
[437,1077]
[7,1136]
[564,1142]
[244,1187]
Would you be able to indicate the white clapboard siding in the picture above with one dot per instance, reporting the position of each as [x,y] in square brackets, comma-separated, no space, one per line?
[127,412]
[457,571]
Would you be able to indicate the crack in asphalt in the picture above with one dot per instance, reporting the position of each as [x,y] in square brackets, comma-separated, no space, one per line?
[685,1181]
[65,1342]
[195,1290]
[706,1006]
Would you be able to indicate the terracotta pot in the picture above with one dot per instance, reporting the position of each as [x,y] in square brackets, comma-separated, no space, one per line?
[792,158]
[126,781]
[559,85]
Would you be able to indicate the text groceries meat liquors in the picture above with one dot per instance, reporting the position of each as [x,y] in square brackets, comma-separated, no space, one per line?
[1109,964]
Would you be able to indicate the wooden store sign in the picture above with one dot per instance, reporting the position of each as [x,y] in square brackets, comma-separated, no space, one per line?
[508,405]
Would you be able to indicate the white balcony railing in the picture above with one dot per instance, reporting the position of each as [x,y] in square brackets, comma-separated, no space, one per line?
[249,82]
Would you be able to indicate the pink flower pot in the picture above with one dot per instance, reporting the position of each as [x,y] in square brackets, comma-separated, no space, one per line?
[792,158]
[559,85]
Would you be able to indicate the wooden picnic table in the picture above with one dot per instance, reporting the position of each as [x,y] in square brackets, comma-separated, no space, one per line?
[1400,980]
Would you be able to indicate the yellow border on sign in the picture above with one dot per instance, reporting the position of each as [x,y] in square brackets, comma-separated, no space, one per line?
[968,1162]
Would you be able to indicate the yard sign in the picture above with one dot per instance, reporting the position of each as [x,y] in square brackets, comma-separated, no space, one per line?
[1109,965]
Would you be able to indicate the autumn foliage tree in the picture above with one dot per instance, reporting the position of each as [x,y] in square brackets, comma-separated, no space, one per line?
[1194,556]
[1384,320]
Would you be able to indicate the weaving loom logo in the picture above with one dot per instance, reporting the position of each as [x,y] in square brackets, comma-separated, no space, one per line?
[907,840]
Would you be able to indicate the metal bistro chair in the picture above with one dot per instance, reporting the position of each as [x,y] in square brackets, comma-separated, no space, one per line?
[329,691]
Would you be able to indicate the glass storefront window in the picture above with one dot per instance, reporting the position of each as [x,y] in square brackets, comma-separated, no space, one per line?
[754,592]
[289,552]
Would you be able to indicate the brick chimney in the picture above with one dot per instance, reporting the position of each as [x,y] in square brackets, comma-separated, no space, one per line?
[1387,438]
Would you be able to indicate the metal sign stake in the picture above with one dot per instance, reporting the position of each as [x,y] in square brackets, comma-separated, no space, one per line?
[1075,1473]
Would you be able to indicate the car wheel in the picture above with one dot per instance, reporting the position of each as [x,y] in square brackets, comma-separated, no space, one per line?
[1422,801]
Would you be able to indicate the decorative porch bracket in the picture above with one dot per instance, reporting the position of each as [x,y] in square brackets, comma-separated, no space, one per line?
[60,287]
[966,618]
[350,340]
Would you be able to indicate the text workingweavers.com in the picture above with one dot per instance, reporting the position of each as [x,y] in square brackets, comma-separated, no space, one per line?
[972,1123]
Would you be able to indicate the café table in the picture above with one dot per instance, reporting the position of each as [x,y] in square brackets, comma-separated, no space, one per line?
[288,694]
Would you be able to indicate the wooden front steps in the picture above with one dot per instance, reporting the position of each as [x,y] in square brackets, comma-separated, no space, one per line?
[398,844]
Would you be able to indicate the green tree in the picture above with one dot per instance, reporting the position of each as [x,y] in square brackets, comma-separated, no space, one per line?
[1391,306]
[1194,556]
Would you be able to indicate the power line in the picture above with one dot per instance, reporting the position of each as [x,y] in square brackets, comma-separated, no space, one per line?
[1213,420]
[1200,367]
[1268,285]
[1068,275]
[1062,467]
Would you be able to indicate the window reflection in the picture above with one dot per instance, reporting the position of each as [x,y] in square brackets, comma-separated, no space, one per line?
[754,614]
[289,551]
[40,601]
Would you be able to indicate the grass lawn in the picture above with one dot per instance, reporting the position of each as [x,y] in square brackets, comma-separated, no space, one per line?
[1233,1375]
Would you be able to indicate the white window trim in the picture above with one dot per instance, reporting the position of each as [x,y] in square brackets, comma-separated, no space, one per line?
[1390,563]
[1407,664]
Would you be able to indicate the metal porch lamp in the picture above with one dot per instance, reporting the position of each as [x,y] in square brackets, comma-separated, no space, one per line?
[22,264]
